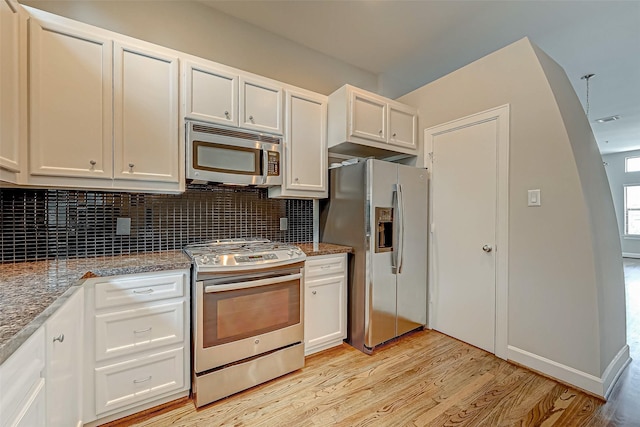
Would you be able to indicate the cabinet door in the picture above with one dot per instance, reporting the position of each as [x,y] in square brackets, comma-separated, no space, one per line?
[368,117]
[306,144]
[64,362]
[70,95]
[261,105]
[146,137]
[403,126]
[325,312]
[9,85]
[211,94]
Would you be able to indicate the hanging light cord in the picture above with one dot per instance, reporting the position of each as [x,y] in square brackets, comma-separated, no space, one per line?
[587,77]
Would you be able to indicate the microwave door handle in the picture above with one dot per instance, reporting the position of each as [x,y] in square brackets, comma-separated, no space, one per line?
[251,283]
[265,166]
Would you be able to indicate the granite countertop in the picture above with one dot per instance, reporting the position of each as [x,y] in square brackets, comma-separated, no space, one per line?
[30,292]
[324,249]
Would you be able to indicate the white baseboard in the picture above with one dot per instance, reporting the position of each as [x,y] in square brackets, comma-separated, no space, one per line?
[598,386]
[630,255]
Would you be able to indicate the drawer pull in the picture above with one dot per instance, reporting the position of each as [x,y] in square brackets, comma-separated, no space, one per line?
[324,267]
[142,380]
[139,331]
[146,291]
[314,292]
[59,338]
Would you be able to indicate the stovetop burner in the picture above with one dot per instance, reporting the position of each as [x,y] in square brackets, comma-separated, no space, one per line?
[248,254]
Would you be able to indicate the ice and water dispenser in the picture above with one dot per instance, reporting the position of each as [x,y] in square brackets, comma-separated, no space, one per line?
[384,229]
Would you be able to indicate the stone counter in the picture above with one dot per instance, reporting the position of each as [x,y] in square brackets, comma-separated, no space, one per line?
[30,292]
[324,249]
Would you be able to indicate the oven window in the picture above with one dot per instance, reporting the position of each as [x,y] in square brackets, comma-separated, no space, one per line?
[226,158]
[234,315]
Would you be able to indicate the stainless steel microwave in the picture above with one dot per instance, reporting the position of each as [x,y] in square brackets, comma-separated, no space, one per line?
[232,156]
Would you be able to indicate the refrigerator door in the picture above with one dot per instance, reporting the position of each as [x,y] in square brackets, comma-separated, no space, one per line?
[412,263]
[381,304]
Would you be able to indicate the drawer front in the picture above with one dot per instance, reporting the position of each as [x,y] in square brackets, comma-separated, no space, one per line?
[137,289]
[20,376]
[323,266]
[131,382]
[130,331]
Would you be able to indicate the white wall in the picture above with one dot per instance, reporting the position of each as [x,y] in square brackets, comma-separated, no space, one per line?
[617,180]
[566,288]
[202,31]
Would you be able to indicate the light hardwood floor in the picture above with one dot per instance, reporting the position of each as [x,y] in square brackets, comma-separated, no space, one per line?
[423,379]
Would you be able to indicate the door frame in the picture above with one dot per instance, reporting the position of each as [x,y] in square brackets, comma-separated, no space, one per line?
[501,116]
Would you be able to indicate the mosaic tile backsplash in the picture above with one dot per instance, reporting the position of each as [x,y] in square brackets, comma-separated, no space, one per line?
[48,224]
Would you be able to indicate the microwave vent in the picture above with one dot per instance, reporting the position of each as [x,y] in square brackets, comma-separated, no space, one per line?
[231,133]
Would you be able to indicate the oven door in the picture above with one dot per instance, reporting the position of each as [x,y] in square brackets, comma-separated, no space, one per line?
[241,316]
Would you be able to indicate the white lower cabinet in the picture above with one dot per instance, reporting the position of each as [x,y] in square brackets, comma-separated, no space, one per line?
[136,343]
[64,335]
[325,306]
[22,384]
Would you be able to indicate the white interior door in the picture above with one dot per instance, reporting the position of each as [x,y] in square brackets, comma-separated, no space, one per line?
[464,191]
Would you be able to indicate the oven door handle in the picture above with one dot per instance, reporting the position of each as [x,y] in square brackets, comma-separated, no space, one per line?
[251,283]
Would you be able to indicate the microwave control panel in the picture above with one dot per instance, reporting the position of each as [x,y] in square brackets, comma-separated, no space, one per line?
[273,163]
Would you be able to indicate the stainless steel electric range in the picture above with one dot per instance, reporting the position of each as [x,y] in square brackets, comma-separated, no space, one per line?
[247,314]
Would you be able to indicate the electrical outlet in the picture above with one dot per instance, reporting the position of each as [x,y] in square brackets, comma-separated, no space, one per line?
[123,226]
[283,224]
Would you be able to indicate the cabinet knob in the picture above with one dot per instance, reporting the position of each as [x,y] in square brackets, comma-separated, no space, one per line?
[59,338]
[92,162]
[251,118]
[380,132]
[394,135]
[314,292]
[296,179]
[226,114]
[131,165]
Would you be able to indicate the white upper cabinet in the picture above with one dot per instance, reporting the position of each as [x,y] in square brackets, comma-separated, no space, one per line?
[261,105]
[70,89]
[211,94]
[9,88]
[104,109]
[368,117]
[218,94]
[305,149]
[403,126]
[146,121]
[365,124]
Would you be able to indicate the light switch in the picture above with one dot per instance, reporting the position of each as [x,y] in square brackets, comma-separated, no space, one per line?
[534,197]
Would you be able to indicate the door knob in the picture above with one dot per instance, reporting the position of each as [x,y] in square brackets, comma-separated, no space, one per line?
[487,248]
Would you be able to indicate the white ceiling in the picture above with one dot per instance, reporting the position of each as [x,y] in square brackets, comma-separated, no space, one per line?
[411,43]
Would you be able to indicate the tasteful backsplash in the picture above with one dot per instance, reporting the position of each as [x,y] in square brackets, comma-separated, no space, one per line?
[49,224]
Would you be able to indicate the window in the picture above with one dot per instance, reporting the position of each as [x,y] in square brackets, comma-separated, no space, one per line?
[632,210]
[632,164]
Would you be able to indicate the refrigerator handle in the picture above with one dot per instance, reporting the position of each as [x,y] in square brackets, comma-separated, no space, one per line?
[400,250]
[396,231]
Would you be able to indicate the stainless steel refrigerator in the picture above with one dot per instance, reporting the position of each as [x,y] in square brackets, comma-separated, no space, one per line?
[380,209]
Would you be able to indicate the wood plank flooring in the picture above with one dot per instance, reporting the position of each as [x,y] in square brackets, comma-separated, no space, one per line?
[423,379]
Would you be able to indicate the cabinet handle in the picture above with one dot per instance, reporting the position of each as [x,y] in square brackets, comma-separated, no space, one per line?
[139,331]
[142,380]
[314,292]
[324,267]
[59,338]
[146,291]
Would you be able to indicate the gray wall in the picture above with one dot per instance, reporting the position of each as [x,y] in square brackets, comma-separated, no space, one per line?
[566,288]
[617,180]
[202,31]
